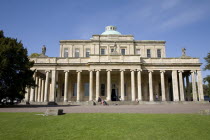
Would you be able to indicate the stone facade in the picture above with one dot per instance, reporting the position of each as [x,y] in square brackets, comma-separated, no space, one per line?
[115,67]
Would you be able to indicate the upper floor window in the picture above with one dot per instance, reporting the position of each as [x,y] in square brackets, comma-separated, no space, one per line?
[148,53]
[102,51]
[66,52]
[138,51]
[123,51]
[87,52]
[112,50]
[159,53]
[76,52]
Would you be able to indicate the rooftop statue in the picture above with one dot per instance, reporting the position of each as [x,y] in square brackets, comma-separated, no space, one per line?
[43,51]
[183,52]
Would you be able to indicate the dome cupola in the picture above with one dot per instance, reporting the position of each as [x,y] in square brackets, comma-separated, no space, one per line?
[111,30]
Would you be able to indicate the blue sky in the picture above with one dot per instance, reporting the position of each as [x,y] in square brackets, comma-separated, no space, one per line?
[181,23]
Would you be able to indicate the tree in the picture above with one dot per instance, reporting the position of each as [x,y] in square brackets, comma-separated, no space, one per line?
[207,59]
[35,55]
[207,78]
[15,73]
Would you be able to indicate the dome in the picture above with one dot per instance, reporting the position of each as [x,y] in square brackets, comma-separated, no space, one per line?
[111,30]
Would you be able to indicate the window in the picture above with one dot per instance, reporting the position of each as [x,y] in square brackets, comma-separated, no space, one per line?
[102,89]
[86,89]
[87,52]
[66,52]
[123,51]
[75,89]
[112,50]
[138,51]
[102,51]
[148,53]
[76,52]
[159,53]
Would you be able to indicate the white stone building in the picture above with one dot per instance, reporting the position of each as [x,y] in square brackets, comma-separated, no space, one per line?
[114,67]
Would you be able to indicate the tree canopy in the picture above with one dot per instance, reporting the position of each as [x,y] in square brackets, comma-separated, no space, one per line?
[15,73]
[35,55]
[207,78]
[207,59]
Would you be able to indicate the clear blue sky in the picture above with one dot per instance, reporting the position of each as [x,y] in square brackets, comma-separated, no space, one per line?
[181,23]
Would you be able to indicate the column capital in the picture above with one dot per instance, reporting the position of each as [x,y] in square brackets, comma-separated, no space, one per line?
[47,71]
[162,71]
[192,71]
[139,70]
[150,71]
[122,69]
[66,71]
[132,69]
[198,70]
[180,71]
[109,70]
[97,70]
[79,71]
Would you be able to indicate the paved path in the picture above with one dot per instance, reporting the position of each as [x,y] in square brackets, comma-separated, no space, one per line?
[155,109]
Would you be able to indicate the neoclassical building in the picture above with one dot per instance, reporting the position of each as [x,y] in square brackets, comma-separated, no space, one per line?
[114,67]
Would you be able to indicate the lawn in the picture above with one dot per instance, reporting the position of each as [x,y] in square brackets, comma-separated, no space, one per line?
[104,126]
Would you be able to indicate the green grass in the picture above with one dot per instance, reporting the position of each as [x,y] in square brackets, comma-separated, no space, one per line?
[104,126]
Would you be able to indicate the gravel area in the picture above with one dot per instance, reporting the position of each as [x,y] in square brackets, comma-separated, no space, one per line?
[153,109]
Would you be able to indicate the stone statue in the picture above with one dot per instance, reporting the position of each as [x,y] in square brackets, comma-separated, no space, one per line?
[43,50]
[183,52]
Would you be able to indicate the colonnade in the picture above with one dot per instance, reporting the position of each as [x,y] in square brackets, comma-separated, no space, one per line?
[41,92]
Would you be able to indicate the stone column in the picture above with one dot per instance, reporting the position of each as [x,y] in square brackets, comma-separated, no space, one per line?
[133,91]
[42,90]
[46,86]
[185,95]
[175,85]
[97,83]
[181,86]
[27,95]
[200,86]
[162,78]
[53,86]
[188,87]
[66,86]
[194,90]
[39,90]
[139,85]
[32,90]
[91,85]
[167,88]
[150,86]
[122,82]
[36,88]
[108,85]
[78,84]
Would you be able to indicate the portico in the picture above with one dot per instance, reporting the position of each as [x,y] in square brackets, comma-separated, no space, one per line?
[126,84]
